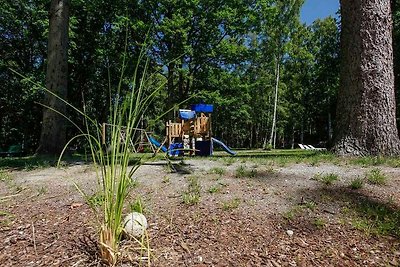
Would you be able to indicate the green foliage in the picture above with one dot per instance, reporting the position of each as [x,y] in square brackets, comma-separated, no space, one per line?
[289,215]
[229,160]
[242,172]
[42,190]
[5,176]
[95,200]
[5,218]
[231,204]
[376,218]
[292,213]
[376,177]
[193,193]
[369,161]
[23,47]
[31,162]
[137,205]
[326,179]
[311,205]
[357,183]
[216,188]
[319,223]
[166,179]
[218,170]
[221,52]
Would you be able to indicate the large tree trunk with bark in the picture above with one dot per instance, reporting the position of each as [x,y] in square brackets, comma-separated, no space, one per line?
[53,134]
[366,115]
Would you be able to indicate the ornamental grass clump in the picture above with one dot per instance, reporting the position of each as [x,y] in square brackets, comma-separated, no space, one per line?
[114,170]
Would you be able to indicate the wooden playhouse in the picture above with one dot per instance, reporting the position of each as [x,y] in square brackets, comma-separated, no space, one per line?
[191,132]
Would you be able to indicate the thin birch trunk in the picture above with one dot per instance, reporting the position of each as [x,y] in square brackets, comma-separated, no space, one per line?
[271,139]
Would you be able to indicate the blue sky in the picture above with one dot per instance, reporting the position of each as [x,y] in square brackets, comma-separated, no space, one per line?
[314,9]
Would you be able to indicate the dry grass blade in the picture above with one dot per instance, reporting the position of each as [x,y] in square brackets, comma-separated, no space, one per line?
[108,246]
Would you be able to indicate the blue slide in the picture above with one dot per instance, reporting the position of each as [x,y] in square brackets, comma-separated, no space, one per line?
[225,147]
[157,144]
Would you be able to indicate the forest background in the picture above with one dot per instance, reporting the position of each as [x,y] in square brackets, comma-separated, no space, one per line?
[231,54]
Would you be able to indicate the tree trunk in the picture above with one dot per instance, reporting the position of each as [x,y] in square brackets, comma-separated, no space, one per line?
[53,134]
[273,129]
[302,132]
[366,115]
[171,87]
[267,124]
[330,130]
[292,141]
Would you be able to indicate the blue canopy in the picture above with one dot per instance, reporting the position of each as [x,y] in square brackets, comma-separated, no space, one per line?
[186,114]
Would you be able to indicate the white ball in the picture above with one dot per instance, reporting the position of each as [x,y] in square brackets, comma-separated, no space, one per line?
[135,224]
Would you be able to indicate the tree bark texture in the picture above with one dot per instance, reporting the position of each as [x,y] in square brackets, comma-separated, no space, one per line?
[366,115]
[53,134]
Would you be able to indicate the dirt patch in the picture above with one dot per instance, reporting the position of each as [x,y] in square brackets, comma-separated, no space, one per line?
[248,214]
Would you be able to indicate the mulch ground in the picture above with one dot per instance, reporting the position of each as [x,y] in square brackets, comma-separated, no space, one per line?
[57,229]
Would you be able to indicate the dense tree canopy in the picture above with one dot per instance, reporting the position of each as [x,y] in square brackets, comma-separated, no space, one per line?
[221,52]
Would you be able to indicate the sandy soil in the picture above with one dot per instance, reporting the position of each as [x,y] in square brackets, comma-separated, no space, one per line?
[282,216]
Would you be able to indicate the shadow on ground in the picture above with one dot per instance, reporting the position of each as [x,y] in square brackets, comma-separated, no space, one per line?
[361,209]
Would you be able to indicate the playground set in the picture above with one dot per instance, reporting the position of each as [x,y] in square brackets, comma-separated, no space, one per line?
[190,134]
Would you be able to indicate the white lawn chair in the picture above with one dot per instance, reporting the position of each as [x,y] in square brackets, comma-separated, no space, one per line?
[316,148]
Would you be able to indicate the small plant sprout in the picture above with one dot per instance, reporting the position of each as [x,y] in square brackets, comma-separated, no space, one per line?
[5,176]
[218,170]
[376,177]
[192,195]
[311,205]
[252,173]
[5,218]
[290,214]
[242,172]
[229,161]
[214,189]
[319,223]
[231,204]
[326,179]
[137,205]
[166,179]
[96,200]
[42,190]
[356,183]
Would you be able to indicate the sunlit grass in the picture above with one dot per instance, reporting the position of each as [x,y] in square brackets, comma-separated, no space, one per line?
[357,183]
[326,179]
[376,177]
[231,204]
[192,195]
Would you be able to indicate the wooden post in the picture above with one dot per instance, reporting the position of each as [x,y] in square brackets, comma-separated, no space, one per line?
[209,126]
[169,132]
